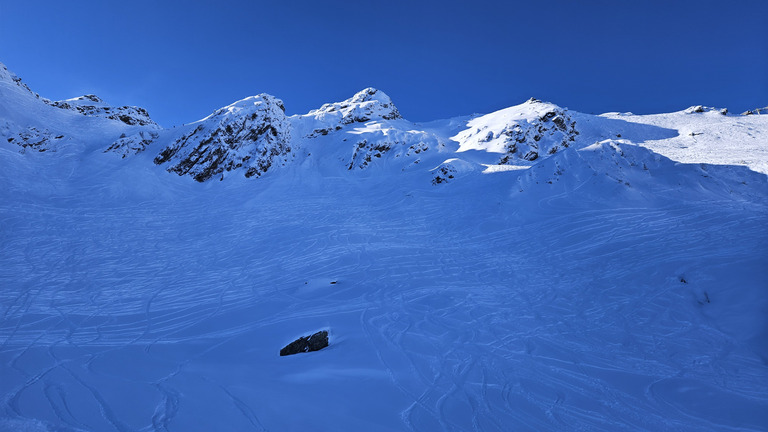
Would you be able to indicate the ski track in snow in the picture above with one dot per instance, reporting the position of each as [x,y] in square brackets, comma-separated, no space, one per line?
[454,323]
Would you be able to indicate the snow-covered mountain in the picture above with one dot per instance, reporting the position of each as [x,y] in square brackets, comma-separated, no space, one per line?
[250,134]
[253,135]
[534,268]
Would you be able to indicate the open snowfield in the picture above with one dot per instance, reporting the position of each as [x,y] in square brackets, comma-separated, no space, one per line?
[604,288]
[161,304]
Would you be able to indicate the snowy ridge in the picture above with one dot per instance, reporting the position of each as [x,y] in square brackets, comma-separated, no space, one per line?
[31,124]
[13,81]
[92,105]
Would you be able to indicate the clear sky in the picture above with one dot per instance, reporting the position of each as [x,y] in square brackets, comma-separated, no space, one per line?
[436,59]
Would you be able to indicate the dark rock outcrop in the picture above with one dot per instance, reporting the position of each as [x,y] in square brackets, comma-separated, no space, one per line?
[303,344]
[443,174]
[40,140]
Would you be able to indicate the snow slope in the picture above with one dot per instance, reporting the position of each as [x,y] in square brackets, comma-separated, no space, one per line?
[617,283]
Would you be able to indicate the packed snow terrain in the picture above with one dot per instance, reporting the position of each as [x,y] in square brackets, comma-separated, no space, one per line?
[535,268]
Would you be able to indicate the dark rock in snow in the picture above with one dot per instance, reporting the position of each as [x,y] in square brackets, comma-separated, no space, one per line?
[314,342]
[40,140]
[443,174]
[549,133]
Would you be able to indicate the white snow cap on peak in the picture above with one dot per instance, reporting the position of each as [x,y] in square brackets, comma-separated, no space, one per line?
[86,99]
[259,102]
[370,94]
[367,104]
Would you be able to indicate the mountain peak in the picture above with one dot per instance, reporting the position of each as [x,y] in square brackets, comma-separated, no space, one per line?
[252,134]
[370,94]
[366,105]
[249,103]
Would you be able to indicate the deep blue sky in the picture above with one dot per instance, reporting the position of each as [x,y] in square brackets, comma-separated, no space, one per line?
[436,59]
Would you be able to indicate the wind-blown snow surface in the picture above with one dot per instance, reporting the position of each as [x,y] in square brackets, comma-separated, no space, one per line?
[606,287]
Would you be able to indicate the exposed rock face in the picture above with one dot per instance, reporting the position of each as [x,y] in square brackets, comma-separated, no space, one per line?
[366,105]
[252,134]
[303,344]
[32,138]
[523,133]
[408,145]
[134,144]
[92,105]
[549,133]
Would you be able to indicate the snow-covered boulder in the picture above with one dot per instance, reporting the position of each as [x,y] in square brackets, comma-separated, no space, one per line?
[252,134]
[523,132]
[92,105]
[451,169]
